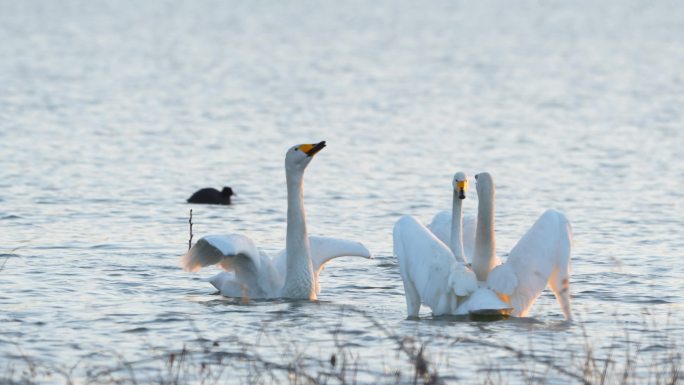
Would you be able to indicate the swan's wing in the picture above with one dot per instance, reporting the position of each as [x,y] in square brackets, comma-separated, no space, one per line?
[237,254]
[469,226]
[225,250]
[503,279]
[428,269]
[541,256]
[441,228]
[324,249]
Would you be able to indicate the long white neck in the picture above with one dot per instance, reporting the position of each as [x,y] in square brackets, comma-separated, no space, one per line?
[456,242]
[299,272]
[485,244]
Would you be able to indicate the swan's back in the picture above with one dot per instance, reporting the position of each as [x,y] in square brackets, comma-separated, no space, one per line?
[441,228]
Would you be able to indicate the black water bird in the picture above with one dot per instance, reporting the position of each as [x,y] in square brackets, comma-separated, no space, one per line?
[212,196]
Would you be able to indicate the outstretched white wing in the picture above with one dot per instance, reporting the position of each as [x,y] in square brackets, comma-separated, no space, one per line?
[237,254]
[225,250]
[430,273]
[323,250]
[441,228]
[541,256]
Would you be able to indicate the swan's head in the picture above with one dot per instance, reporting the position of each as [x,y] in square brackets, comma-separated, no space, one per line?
[484,184]
[299,156]
[460,184]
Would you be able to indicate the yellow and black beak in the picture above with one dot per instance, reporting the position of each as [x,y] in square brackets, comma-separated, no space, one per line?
[462,186]
[312,149]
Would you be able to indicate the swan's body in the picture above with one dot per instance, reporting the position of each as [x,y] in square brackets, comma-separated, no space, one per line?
[294,272]
[541,256]
[254,274]
[484,301]
[435,274]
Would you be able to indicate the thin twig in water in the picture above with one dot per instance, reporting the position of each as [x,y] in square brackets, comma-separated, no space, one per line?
[190,222]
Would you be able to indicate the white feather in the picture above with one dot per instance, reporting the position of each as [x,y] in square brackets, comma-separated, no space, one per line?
[441,227]
[429,271]
[541,257]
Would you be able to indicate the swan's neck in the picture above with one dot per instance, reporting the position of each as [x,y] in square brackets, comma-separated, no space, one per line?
[485,244]
[456,242]
[299,271]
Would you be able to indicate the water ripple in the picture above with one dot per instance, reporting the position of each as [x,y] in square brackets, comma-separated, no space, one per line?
[157,107]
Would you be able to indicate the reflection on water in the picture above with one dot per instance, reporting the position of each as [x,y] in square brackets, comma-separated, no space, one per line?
[111,114]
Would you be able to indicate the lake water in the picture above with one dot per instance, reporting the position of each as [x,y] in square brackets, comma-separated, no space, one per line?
[113,112]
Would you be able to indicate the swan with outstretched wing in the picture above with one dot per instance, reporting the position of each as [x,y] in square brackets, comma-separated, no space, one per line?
[540,258]
[295,271]
[435,274]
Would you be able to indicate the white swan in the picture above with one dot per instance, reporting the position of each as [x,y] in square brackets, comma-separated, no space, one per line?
[432,273]
[484,301]
[541,256]
[294,272]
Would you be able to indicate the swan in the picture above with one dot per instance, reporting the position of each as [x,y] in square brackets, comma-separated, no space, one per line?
[294,272]
[435,274]
[541,256]
[212,196]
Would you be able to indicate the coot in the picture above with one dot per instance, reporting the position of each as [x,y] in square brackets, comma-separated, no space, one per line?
[212,196]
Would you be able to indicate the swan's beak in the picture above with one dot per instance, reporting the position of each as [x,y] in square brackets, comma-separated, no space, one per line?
[462,187]
[312,149]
